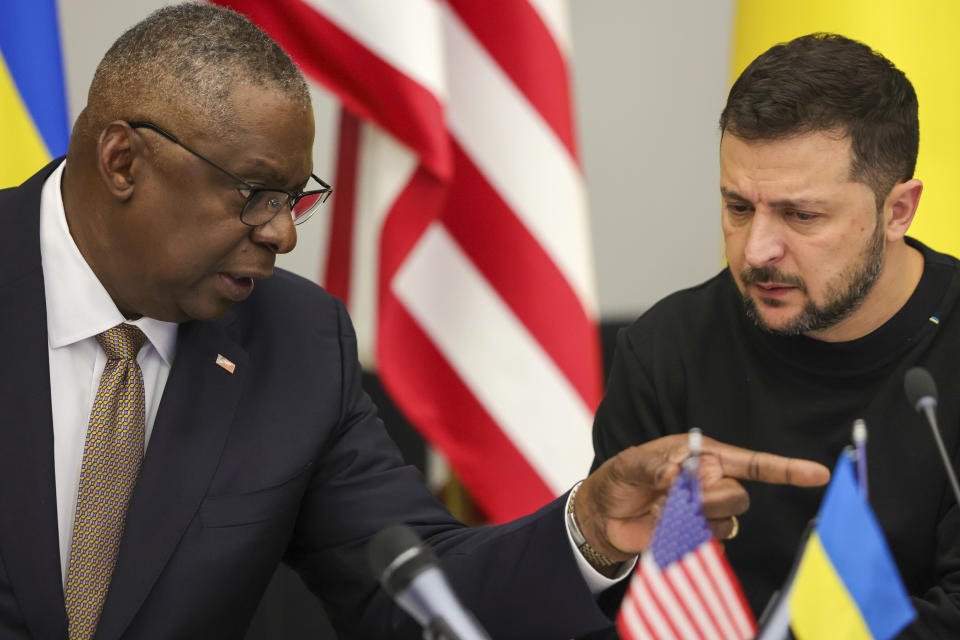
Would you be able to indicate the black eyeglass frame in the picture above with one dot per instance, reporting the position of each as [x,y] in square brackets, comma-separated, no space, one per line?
[292,197]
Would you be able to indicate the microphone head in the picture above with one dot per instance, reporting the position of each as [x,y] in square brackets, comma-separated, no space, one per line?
[397,555]
[920,387]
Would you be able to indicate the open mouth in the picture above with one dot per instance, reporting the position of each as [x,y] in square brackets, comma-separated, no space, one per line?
[242,281]
[773,293]
[773,288]
[235,287]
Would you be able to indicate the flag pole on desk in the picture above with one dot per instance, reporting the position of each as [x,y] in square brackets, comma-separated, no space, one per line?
[847,583]
[844,583]
[774,622]
[683,586]
[860,450]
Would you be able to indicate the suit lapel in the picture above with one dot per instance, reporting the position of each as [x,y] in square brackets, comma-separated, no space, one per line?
[192,424]
[28,529]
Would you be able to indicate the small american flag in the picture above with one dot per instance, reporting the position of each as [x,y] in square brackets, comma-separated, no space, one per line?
[683,587]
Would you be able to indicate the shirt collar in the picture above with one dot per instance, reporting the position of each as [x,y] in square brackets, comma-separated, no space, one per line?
[78,307]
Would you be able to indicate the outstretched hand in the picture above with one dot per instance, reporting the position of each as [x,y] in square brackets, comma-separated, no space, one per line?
[618,504]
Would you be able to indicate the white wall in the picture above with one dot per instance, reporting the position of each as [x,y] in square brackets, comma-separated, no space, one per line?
[650,79]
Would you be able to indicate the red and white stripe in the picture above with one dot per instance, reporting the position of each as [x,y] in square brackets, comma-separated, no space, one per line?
[695,598]
[460,238]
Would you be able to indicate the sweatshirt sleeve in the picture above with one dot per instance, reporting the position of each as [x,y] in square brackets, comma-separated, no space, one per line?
[938,609]
[632,410]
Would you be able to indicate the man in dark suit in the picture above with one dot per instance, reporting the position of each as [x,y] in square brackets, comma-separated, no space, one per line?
[254,442]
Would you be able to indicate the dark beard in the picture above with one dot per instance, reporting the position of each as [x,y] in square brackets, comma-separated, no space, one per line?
[842,299]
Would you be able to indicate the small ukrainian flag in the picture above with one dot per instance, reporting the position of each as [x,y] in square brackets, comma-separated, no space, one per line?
[33,106]
[847,585]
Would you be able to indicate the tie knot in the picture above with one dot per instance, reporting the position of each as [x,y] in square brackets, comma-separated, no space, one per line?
[121,342]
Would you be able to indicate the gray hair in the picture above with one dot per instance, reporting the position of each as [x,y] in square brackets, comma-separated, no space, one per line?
[185,60]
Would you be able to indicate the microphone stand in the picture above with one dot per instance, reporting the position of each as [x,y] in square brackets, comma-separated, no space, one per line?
[928,406]
[438,629]
[774,622]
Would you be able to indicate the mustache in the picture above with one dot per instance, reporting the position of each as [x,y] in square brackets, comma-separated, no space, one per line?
[755,275]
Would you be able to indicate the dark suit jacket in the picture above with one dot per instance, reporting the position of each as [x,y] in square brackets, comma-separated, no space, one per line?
[284,460]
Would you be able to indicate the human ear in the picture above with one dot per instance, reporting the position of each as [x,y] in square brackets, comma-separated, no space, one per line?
[900,207]
[117,148]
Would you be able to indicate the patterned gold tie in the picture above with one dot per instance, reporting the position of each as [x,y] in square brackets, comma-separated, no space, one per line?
[111,460]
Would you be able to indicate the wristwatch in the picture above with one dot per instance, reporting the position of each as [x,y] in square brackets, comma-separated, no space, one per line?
[596,559]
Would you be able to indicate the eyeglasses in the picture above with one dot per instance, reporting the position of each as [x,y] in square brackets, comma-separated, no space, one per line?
[262,205]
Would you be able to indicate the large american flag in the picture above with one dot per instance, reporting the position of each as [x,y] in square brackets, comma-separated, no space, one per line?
[460,239]
[683,587]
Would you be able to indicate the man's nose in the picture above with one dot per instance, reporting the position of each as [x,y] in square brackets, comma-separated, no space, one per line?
[765,241]
[279,235]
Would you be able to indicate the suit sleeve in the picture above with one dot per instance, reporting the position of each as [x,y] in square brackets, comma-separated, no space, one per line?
[519,579]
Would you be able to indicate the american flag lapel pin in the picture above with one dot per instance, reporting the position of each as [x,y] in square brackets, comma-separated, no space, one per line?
[225,364]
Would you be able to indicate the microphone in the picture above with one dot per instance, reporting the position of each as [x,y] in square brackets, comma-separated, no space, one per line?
[921,389]
[411,573]
[922,394]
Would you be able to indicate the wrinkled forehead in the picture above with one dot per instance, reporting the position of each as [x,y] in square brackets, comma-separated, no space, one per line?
[270,136]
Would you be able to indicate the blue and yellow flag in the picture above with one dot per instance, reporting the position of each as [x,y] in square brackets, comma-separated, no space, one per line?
[847,585]
[33,106]
[922,42]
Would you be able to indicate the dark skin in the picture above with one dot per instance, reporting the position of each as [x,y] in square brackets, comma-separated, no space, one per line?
[161,230]
[618,504]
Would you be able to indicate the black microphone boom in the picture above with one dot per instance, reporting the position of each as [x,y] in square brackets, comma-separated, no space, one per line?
[410,572]
[922,394]
[920,387]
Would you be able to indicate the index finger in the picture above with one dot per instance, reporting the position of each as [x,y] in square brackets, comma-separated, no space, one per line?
[759,466]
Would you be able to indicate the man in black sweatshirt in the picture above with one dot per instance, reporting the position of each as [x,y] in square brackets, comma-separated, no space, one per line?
[824,305]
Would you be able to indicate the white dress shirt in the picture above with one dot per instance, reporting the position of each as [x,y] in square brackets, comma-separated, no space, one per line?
[596,581]
[78,308]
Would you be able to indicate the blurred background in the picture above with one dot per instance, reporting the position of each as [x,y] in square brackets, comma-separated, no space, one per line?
[649,81]
[514,180]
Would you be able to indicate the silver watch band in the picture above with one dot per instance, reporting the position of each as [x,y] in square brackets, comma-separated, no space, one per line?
[596,559]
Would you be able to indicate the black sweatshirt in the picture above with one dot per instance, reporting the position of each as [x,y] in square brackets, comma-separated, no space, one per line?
[696,360]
